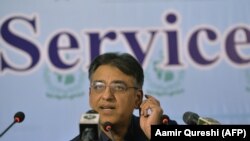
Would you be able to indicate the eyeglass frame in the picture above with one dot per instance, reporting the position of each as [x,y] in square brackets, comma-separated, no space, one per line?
[111,88]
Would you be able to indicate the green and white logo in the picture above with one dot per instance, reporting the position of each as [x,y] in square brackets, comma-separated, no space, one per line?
[64,86]
[163,82]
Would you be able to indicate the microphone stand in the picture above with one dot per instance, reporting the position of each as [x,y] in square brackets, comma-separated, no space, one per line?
[7,128]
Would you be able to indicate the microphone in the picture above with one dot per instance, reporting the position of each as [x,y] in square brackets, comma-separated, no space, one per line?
[108,127]
[89,126]
[18,118]
[167,121]
[191,118]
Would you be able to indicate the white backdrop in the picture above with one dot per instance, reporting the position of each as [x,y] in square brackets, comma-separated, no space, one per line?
[196,57]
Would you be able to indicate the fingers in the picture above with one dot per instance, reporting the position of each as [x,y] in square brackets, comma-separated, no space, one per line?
[151,113]
[150,105]
[152,99]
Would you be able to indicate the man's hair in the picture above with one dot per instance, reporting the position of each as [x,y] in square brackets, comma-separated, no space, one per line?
[123,61]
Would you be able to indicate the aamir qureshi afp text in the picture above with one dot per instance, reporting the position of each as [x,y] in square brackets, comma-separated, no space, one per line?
[188,133]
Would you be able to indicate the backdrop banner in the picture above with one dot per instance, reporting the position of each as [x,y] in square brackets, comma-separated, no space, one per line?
[195,54]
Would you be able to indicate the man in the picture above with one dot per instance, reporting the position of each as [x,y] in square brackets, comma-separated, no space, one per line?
[116,83]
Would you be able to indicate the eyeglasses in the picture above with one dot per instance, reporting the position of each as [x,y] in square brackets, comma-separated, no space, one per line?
[115,87]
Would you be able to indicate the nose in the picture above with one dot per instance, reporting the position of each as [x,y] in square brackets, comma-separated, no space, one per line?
[108,94]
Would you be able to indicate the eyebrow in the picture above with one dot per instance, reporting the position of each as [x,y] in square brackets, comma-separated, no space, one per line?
[119,82]
[97,81]
[115,81]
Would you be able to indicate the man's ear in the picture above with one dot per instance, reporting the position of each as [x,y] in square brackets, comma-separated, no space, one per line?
[139,95]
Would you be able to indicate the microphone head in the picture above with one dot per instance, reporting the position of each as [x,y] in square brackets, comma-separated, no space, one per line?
[165,119]
[190,118]
[208,121]
[19,117]
[88,126]
[91,112]
[107,126]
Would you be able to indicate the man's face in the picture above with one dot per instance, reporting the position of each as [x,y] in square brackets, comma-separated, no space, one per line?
[108,97]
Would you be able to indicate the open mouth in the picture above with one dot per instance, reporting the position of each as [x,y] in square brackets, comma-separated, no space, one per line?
[107,107]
